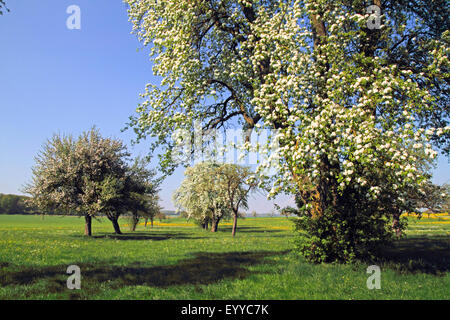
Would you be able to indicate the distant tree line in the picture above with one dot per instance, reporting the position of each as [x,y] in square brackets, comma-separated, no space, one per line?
[13,204]
[16,204]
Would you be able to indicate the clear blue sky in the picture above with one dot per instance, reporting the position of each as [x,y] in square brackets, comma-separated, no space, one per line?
[53,79]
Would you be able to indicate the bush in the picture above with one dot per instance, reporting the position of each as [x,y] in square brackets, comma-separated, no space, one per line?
[345,233]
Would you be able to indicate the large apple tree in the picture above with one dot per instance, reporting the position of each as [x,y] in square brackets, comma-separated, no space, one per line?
[357,92]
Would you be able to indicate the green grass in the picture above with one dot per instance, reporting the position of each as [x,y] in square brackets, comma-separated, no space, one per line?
[177,260]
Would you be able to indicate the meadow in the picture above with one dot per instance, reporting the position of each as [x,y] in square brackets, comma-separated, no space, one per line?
[177,260]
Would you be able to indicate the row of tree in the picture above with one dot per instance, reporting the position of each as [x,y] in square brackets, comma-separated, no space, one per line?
[92,176]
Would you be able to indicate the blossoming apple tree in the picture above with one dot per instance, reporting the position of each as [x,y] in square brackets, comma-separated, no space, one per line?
[201,195]
[359,107]
[89,176]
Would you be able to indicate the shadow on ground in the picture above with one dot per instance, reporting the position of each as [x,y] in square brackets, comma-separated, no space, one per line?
[156,236]
[227,229]
[201,268]
[419,254]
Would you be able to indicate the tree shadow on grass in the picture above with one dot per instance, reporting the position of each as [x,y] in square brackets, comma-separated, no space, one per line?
[419,254]
[227,229]
[155,236]
[201,269]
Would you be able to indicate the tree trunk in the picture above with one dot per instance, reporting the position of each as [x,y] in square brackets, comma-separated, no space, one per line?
[133,226]
[235,217]
[145,225]
[116,225]
[88,225]
[214,224]
[151,222]
[205,224]
[396,225]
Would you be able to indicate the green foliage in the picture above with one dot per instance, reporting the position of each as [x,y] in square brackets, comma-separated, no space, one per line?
[143,191]
[14,204]
[341,237]
[354,228]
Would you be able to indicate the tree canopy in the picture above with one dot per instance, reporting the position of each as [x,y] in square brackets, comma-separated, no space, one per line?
[88,176]
[237,182]
[213,191]
[143,198]
[201,195]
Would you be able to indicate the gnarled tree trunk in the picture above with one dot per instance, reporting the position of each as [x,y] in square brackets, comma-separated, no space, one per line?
[88,225]
[114,218]
[135,221]
[116,226]
[115,222]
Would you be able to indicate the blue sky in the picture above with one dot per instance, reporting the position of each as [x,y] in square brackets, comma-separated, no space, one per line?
[53,79]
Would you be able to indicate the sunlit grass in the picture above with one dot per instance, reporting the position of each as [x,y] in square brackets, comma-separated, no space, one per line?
[177,260]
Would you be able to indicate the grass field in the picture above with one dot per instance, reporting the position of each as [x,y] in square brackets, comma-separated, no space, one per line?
[177,260]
